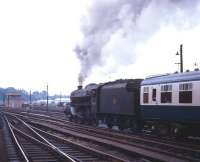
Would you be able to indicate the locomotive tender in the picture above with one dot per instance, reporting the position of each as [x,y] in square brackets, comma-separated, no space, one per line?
[168,103]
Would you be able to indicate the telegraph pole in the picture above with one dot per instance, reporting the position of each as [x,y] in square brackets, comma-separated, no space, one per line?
[60,97]
[47,97]
[181,58]
[8,101]
[30,100]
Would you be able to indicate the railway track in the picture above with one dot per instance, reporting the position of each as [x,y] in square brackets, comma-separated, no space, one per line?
[26,147]
[61,117]
[117,134]
[62,147]
[146,148]
[135,144]
[9,145]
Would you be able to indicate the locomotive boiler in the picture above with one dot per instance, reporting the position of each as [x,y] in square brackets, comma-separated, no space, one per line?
[83,102]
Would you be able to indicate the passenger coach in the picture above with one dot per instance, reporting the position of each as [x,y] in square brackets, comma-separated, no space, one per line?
[170,103]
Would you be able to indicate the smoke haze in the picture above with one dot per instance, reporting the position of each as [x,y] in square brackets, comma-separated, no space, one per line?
[113,29]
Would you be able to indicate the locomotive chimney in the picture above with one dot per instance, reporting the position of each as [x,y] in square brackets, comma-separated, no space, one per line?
[80,82]
[80,87]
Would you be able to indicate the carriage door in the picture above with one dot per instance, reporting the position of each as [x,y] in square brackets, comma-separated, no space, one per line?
[154,95]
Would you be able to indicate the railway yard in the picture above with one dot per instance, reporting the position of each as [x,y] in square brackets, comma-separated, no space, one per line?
[100,81]
[47,136]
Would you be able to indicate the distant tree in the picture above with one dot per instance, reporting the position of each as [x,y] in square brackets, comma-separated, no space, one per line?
[36,95]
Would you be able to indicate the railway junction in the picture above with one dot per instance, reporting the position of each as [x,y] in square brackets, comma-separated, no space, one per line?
[49,136]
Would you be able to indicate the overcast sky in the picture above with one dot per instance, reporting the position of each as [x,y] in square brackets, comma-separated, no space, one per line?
[38,38]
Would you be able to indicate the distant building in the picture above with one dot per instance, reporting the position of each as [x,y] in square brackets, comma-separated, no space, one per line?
[14,100]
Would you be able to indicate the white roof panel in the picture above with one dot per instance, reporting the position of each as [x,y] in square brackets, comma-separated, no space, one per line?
[171,78]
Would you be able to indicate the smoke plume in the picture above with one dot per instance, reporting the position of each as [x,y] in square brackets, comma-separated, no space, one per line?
[113,29]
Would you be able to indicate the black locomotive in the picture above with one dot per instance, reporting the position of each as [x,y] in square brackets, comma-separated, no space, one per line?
[113,103]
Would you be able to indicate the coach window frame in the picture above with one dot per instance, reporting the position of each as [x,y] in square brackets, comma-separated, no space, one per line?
[185,93]
[145,95]
[154,94]
[166,93]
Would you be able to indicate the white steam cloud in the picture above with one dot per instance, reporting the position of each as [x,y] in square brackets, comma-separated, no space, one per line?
[113,29]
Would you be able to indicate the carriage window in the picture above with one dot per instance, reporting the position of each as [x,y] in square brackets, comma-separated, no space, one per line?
[166,88]
[185,93]
[154,95]
[185,87]
[145,94]
[166,97]
[166,94]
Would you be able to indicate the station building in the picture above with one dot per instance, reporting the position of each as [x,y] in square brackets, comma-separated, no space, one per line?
[14,100]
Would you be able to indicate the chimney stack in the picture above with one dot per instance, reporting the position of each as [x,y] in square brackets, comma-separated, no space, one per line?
[80,87]
[80,82]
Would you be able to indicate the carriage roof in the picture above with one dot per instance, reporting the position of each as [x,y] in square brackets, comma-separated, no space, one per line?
[172,78]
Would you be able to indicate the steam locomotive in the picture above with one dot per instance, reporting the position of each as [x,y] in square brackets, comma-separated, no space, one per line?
[168,104]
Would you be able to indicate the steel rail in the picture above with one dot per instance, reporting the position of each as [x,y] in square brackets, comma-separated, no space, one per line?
[126,139]
[60,152]
[97,152]
[151,148]
[116,134]
[20,150]
[37,142]
[147,151]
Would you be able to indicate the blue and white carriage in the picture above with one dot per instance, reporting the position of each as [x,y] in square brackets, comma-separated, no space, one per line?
[171,102]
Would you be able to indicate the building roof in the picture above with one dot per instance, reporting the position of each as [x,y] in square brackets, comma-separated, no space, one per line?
[13,94]
[171,78]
